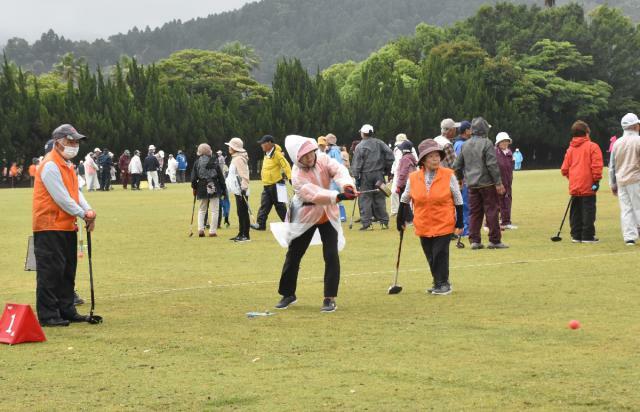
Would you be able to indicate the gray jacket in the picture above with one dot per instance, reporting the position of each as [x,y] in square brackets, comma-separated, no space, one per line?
[371,155]
[477,163]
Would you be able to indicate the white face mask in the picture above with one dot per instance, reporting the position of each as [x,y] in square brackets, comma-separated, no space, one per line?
[70,152]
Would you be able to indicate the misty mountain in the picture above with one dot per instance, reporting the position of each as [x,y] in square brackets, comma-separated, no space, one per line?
[318,32]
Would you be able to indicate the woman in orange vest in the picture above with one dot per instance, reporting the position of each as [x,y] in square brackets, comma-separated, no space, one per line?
[57,203]
[437,208]
[32,170]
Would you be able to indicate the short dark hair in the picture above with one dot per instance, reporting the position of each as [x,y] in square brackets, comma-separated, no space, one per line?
[580,128]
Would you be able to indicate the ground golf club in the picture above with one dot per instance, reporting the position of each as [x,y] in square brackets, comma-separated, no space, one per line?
[557,237]
[380,187]
[193,210]
[395,288]
[92,319]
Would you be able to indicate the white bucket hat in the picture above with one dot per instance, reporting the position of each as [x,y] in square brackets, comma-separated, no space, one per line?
[502,136]
[629,120]
[236,144]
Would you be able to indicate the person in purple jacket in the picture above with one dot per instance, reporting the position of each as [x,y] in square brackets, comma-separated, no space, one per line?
[505,163]
[406,165]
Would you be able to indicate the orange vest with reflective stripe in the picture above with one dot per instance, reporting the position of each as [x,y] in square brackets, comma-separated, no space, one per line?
[434,211]
[47,215]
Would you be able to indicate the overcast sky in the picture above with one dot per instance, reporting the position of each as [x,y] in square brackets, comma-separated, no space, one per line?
[90,19]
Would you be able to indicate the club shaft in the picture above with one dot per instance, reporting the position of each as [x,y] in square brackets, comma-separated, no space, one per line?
[395,280]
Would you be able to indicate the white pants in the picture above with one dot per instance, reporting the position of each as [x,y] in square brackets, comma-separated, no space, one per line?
[92,181]
[629,198]
[213,205]
[152,178]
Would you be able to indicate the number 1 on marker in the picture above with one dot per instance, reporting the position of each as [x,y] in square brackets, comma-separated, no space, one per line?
[13,318]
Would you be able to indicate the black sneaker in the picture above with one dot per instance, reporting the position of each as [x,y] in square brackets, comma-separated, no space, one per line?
[431,289]
[592,240]
[367,227]
[630,242]
[242,239]
[286,301]
[328,305]
[77,300]
[54,322]
[78,318]
[256,226]
[442,290]
[384,226]
[233,239]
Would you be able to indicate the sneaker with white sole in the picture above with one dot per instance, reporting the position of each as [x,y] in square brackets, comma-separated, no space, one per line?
[286,301]
[442,290]
[576,240]
[328,305]
[630,242]
[509,227]
[592,240]
[477,246]
[497,246]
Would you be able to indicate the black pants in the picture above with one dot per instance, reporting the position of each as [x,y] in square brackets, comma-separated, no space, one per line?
[372,204]
[297,249]
[135,180]
[181,176]
[582,217]
[243,216]
[269,199]
[436,249]
[56,262]
[105,178]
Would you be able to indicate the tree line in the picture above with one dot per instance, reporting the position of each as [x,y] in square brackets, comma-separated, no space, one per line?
[530,72]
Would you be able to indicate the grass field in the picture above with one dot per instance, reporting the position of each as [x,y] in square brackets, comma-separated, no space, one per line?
[176,337]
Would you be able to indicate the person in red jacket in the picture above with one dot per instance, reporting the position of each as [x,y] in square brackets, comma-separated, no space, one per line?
[583,167]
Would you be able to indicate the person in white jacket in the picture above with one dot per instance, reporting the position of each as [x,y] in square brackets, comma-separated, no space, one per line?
[172,168]
[135,170]
[91,170]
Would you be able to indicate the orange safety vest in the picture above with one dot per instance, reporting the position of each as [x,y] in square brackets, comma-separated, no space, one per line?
[434,211]
[32,170]
[47,215]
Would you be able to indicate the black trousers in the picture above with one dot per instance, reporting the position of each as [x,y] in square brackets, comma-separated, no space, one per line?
[135,180]
[297,249]
[436,249]
[583,217]
[105,178]
[269,199]
[56,261]
[372,204]
[243,216]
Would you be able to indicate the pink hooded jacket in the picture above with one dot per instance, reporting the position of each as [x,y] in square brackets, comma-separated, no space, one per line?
[313,198]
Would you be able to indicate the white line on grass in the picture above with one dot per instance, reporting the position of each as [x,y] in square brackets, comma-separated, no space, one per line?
[264,282]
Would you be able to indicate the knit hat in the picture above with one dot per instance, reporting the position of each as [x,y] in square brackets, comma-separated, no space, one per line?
[480,127]
[236,144]
[428,146]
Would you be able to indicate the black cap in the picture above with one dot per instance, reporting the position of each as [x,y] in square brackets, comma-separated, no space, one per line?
[68,131]
[266,138]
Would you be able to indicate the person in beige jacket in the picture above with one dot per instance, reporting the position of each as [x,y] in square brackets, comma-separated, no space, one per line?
[624,177]
[238,183]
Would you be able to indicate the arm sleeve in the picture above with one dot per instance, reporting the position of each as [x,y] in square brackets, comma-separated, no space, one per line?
[492,164]
[596,162]
[455,191]
[52,180]
[285,165]
[459,217]
[458,167]
[612,170]
[566,164]
[83,202]
[406,195]
[450,155]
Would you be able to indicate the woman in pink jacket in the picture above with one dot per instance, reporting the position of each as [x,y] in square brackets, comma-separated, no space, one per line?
[314,207]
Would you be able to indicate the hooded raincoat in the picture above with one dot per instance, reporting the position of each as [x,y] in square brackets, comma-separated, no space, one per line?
[313,201]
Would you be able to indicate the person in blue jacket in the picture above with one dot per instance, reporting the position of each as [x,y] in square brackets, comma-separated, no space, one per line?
[182,166]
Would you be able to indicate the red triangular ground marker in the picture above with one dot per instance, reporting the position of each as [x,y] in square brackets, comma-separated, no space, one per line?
[18,324]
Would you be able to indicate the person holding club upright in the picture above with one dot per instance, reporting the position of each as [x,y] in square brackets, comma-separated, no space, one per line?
[437,208]
[314,207]
[57,203]
[238,183]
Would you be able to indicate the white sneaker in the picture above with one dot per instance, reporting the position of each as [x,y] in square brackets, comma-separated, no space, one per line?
[509,227]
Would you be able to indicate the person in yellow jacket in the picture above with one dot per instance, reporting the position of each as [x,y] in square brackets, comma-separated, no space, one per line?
[275,169]
[57,203]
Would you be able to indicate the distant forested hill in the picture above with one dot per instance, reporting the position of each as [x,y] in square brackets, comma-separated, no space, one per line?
[318,32]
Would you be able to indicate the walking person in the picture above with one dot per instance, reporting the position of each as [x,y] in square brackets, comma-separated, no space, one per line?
[56,193]
[477,165]
[314,207]
[517,159]
[135,170]
[371,162]
[582,165]
[172,168]
[151,166]
[207,182]
[105,162]
[437,207]
[445,140]
[334,152]
[504,156]
[123,165]
[182,166]
[275,169]
[624,177]
[238,184]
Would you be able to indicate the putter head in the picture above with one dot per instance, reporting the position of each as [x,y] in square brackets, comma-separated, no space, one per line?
[394,290]
[556,239]
[94,319]
[384,188]
[459,243]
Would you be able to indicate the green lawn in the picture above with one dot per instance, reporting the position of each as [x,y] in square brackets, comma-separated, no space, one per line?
[176,337]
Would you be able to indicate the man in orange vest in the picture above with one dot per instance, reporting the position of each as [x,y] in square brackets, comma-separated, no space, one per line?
[57,203]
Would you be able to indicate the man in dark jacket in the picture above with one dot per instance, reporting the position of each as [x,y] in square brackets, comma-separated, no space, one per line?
[123,165]
[372,160]
[105,162]
[477,164]
[151,166]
